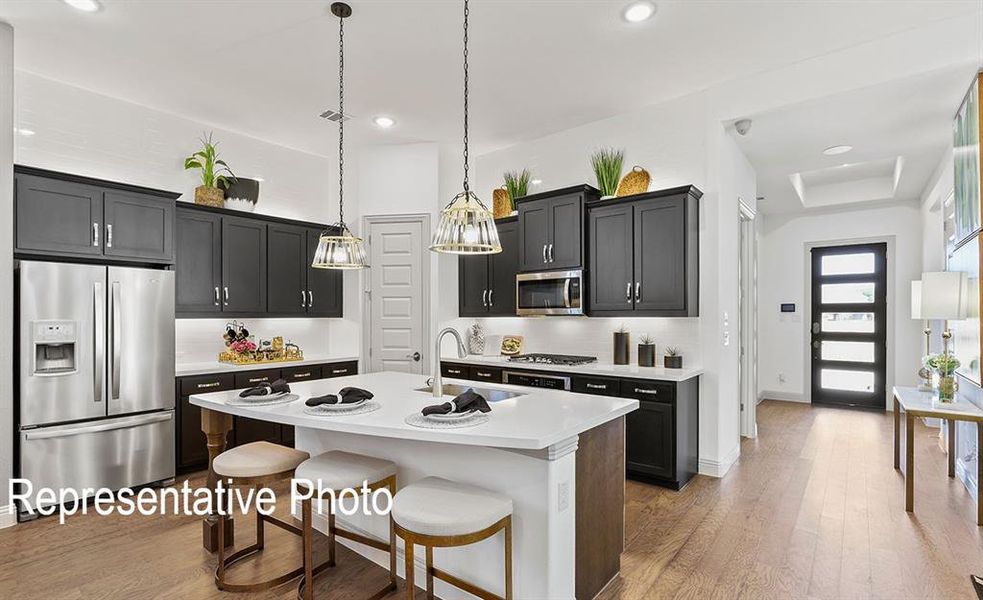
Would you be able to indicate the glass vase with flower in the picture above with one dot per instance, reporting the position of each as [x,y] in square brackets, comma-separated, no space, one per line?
[944,366]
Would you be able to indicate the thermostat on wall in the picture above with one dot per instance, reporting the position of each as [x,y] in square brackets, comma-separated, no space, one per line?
[790,307]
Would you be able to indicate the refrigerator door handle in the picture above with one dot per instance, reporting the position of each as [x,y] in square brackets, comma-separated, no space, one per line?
[98,341]
[57,432]
[117,334]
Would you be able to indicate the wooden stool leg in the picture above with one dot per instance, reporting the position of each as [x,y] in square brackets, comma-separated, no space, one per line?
[221,546]
[260,533]
[508,559]
[331,536]
[308,537]
[410,584]
[429,550]
[392,551]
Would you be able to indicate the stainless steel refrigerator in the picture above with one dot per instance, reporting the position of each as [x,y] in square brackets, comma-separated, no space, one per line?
[96,375]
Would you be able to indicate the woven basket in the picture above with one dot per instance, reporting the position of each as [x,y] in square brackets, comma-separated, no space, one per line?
[635,182]
[209,196]
[501,203]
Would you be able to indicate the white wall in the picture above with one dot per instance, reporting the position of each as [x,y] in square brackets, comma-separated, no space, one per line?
[79,131]
[783,276]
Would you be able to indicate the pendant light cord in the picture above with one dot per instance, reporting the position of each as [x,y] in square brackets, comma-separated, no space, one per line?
[341,123]
[466,11]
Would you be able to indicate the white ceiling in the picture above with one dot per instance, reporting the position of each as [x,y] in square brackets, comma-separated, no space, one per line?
[910,118]
[268,68]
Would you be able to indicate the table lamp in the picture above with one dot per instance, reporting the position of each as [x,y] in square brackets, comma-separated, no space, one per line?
[944,297]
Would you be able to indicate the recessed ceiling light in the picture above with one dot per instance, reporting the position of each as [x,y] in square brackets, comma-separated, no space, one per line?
[83,5]
[536,181]
[24,132]
[384,122]
[834,150]
[636,12]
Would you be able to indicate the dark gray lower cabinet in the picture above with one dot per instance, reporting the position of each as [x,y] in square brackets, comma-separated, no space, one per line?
[190,447]
[243,265]
[138,227]
[662,436]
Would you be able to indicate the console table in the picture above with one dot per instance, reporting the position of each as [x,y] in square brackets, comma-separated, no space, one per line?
[916,403]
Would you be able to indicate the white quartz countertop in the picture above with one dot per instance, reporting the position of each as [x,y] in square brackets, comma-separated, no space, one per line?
[533,421]
[597,368]
[206,368]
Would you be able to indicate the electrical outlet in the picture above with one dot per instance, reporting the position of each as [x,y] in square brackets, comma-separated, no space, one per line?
[563,496]
[781,378]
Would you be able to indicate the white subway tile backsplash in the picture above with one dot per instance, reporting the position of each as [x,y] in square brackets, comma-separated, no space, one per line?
[200,340]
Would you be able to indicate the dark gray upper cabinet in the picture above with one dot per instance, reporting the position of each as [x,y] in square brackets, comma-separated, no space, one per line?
[243,265]
[486,282]
[503,268]
[551,229]
[643,257]
[138,227]
[325,288]
[58,214]
[198,262]
[610,273]
[286,269]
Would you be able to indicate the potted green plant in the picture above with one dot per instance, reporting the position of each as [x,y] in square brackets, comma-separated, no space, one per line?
[622,343]
[215,174]
[646,351]
[673,359]
[607,163]
[944,365]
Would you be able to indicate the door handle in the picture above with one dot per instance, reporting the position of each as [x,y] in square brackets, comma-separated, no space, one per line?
[109,235]
[815,327]
[303,299]
[117,344]
[628,293]
[484,298]
[99,341]
[490,301]
[125,423]
[815,344]
[638,291]
[415,356]
[226,288]
[310,299]
[217,300]
[544,253]
[95,234]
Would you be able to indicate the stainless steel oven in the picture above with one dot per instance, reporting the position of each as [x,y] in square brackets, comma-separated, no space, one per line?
[551,293]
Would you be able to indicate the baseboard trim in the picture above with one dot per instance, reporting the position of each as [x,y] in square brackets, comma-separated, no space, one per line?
[783,396]
[719,468]
[8,516]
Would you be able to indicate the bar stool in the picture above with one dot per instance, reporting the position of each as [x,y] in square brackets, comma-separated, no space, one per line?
[330,473]
[437,513]
[254,465]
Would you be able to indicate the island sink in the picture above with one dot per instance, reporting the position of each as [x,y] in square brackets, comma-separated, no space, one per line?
[491,395]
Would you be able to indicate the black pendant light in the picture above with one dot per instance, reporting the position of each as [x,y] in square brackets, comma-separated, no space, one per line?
[466,225]
[338,248]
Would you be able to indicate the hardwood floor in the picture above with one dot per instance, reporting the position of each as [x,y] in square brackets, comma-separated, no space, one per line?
[813,509]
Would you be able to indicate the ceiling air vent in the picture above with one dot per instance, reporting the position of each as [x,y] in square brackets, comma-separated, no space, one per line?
[334,116]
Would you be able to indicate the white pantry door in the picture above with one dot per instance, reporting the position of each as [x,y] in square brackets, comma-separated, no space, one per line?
[396,295]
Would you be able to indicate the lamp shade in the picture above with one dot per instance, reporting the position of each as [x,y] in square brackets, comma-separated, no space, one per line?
[944,295]
[916,299]
[337,248]
[466,227]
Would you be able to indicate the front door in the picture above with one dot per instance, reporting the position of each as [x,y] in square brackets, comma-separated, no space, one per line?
[396,295]
[849,310]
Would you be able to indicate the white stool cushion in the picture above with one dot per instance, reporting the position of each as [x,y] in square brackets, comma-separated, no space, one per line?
[337,470]
[435,506]
[257,459]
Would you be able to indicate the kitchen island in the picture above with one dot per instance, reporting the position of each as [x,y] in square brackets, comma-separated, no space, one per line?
[558,455]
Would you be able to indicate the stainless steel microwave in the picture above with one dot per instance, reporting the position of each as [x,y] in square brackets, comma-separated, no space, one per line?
[551,293]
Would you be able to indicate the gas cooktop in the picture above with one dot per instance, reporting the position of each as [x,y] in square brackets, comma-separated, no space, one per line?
[553,359]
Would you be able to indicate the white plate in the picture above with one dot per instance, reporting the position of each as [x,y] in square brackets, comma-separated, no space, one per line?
[333,407]
[451,416]
[266,398]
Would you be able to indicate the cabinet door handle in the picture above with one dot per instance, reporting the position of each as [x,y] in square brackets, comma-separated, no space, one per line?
[310,299]
[301,375]
[208,385]
[217,300]
[490,301]
[303,299]
[638,291]
[650,392]
[544,253]
[596,386]
[338,371]
[484,298]
[226,288]
[109,235]
[95,233]
[258,379]
[550,252]
[628,293]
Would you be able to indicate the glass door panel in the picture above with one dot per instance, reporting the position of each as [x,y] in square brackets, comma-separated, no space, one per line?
[847,322]
[847,351]
[848,264]
[848,293]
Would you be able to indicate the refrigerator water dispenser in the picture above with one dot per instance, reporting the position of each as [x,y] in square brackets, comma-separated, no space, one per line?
[54,347]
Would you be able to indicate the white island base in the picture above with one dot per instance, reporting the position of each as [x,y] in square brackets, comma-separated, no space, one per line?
[560,456]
